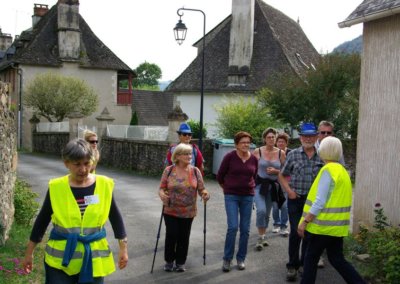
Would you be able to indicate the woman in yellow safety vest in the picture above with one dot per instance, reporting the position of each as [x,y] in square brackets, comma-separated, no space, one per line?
[78,205]
[326,215]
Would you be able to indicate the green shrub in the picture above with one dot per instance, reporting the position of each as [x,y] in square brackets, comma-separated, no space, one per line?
[382,244]
[195,126]
[24,202]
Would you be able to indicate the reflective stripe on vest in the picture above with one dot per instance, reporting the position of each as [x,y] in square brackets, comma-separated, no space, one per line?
[334,218]
[77,254]
[77,230]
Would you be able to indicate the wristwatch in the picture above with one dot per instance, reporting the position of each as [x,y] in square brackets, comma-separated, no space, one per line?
[124,240]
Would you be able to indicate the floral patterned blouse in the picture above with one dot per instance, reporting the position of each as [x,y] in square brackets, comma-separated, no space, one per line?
[182,192]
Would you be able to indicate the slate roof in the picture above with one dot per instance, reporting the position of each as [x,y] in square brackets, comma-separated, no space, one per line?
[152,107]
[39,46]
[277,39]
[371,10]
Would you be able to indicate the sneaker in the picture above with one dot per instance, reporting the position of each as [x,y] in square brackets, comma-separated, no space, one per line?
[300,271]
[180,268]
[291,274]
[226,266]
[241,265]
[321,263]
[260,244]
[275,229]
[169,267]
[265,242]
[284,232]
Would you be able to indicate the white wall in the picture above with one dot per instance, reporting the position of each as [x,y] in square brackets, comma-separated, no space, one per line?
[190,104]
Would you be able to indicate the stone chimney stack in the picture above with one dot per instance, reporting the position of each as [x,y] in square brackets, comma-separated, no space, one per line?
[68,29]
[241,41]
[39,10]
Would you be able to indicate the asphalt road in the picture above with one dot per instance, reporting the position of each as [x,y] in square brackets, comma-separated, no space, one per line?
[141,208]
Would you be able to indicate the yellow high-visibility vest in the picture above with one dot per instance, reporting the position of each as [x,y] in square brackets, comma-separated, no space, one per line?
[334,218]
[66,218]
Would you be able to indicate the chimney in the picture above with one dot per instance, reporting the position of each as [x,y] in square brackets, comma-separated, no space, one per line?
[69,34]
[5,41]
[241,41]
[39,10]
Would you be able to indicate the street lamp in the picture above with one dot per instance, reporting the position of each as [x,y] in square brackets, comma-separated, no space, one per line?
[180,35]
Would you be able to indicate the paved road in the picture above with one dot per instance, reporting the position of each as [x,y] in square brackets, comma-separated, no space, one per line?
[141,208]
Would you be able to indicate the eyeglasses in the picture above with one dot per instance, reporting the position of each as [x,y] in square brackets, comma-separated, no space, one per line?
[185,154]
[185,134]
[270,137]
[325,132]
[93,141]
[244,142]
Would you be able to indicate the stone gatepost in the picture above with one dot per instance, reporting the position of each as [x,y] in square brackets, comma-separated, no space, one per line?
[175,118]
[75,120]
[102,120]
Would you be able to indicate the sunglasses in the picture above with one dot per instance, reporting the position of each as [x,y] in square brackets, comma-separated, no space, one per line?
[325,132]
[93,141]
[185,134]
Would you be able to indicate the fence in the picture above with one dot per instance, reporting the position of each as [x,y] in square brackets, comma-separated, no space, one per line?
[141,132]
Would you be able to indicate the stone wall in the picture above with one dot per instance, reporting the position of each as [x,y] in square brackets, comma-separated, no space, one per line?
[8,165]
[49,142]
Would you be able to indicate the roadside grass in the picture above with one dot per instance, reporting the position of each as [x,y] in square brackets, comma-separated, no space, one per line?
[12,255]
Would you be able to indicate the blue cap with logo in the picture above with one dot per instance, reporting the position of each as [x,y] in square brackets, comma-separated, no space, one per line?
[308,129]
[184,128]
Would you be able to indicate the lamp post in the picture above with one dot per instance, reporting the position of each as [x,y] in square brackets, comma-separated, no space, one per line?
[180,35]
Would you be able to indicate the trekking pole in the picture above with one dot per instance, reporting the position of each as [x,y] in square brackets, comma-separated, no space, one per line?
[158,237]
[204,231]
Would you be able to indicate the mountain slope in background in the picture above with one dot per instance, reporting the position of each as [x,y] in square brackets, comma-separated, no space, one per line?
[353,46]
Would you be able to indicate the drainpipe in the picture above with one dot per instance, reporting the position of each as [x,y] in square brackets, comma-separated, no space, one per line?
[20,109]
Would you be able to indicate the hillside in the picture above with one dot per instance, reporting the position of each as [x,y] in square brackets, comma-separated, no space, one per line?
[353,46]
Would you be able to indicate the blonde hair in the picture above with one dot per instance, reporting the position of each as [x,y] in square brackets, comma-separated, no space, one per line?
[180,149]
[330,149]
[88,133]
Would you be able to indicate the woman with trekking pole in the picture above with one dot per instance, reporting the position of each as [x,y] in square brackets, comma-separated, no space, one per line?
[180,184]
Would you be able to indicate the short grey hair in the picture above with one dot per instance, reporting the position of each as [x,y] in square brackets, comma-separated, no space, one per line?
[180,149]
[326,123]
[77,149]
[330,149]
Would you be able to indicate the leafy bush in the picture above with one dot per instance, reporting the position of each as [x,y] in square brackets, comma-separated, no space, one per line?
[243,115]
[195,126]
[24,203]
[383,247]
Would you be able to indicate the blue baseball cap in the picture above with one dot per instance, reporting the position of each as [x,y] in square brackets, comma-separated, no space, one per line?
[308,129]
[184,128]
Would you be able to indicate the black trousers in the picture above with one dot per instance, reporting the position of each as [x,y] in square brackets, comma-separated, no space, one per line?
[177,238]
[334,249]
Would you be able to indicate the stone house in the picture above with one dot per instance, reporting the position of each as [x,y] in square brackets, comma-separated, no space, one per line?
[60,41]
[251,44]
[378,166]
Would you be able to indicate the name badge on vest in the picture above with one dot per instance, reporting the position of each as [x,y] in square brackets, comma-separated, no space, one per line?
[91,199]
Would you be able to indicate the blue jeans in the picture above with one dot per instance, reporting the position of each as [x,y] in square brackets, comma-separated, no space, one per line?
[238,213]
[263,206]
[295,210]
[280,216]
[334,250]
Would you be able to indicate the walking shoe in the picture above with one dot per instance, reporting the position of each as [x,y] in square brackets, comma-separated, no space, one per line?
[321,263]
[275,229]
[241,265]
[226,266]
[169,267]
[265,242]
[300,271]
[260,244]
[291,274]
[180,268]
[284,232]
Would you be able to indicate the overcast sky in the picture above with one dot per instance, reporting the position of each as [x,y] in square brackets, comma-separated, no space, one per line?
[141,30]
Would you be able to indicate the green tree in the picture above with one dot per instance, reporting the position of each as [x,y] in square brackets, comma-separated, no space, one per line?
[148,75]
[243,115]
[55,96]
[330,92]
[195,126]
